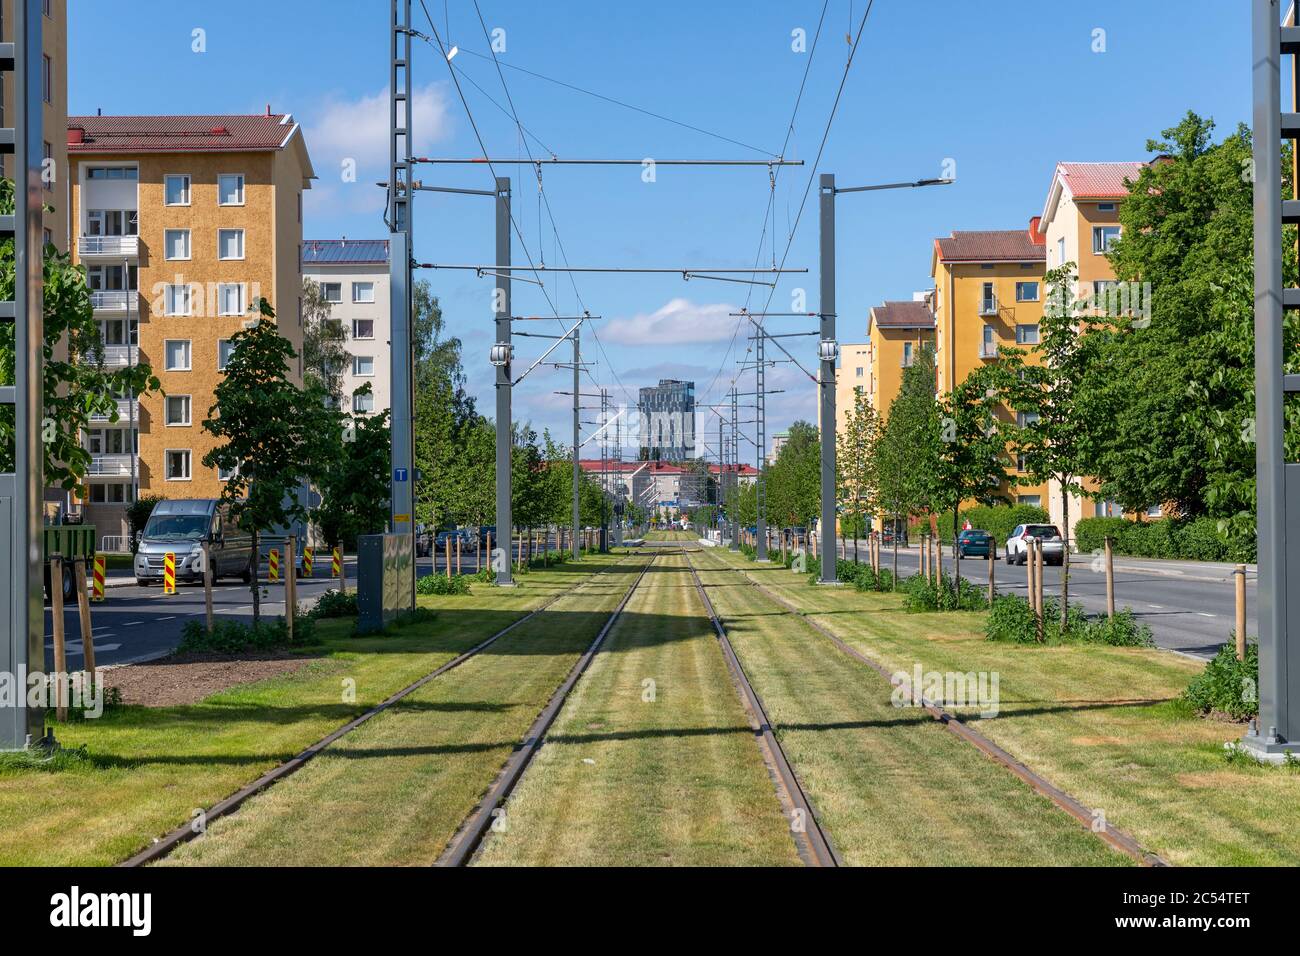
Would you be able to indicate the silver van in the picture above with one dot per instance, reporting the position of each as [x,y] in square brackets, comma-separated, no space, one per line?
[180,526]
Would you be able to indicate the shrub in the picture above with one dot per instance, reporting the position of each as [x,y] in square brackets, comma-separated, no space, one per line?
[997,520]
[1012,620]
[920,593]
[1090,534]
[335,604]
[1227,685]
[234,637]
[441,584]
[1194,539]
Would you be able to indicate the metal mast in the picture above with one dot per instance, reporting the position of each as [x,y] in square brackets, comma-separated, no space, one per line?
[828,350]
[502,356]
[760,401]
[22,646]
[577,447]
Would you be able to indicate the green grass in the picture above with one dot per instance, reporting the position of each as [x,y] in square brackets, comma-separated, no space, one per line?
[143,771]
[669,534]
[890,784]
[1103,723]
[625,780]
[395,790]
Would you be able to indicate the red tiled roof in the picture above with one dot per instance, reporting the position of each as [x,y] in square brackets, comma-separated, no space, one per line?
[996,245]
[161,134]
[1098,180]
[903,315]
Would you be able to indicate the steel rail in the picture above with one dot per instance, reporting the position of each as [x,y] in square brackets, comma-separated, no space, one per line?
[813,843]
[467,840]
[187,831]
[1116,838]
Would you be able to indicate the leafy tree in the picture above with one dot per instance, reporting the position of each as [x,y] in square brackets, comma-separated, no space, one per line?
[907,454]
[324,353]
[1172,394]
[76,385]
[436,357]
[138,513]
[276,435]
[1055,439]
[794,479]
[353,484]
[973,446]
[855,460]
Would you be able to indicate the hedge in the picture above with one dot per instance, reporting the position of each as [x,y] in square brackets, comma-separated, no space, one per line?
[997,520]
[1195,539]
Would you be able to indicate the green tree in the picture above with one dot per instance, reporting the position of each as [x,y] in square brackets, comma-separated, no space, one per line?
[324,342]
[794,480]
[972,446]
[1172,394]
[855,461]
[353,484]
[907,454]
[1053,437]
[436,355]
[276,436]
[76,385]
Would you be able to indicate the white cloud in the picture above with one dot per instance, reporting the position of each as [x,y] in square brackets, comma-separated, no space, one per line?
[358,129]
[679,322]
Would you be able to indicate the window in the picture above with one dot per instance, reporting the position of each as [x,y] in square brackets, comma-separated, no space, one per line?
[176,243]
[176,189]
[48,177]
[1107,509]
[177,464]
[224,348]
[1105,207]
[1026,419]
[1035,500]
[48,237]
[363,402]
[331,291]
[113,492]
[989,344]
[178,410]
[177,355]
[230,243]
[1155,511]
[225,474]
[113,172]
[47,80]
[230,298]
[1027,334]
[176,300]
[363,292]
[46,7]
[365,329]
[363,365]
[230,189]
[1026,291]
[859,371]
[1103,237]
[907,354]
[1060,252]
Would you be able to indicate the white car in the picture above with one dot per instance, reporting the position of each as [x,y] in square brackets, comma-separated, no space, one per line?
[1017,549]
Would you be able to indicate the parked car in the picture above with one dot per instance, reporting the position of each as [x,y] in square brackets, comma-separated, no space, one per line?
[974,543]
[1017,551]
[889,533]
[180,526]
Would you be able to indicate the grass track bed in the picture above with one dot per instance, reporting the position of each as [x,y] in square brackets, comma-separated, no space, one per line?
[622,780]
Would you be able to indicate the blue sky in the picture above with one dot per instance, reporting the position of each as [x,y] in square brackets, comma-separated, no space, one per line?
[1003,88]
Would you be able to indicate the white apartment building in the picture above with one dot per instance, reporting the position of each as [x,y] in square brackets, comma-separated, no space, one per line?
[353,276]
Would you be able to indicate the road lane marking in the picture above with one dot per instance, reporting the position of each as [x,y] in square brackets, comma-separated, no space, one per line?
[1206,614]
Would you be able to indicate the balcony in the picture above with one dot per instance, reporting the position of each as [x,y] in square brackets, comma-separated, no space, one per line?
[989,305]
[127,409]
[115,300]
[108,247]
[109,466]
[115,356]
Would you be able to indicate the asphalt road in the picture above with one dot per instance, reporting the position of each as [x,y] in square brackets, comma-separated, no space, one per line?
[1189,605]
[135,623]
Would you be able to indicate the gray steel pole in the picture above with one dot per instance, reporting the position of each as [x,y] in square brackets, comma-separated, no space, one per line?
[577,445]
[826,386]
[1279,639]
[22,646]
[505,443]
[734,481]
[760,497]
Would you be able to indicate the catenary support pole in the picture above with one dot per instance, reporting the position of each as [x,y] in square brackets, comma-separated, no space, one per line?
[577,444]
[826,380]
[504,423]
[760,401]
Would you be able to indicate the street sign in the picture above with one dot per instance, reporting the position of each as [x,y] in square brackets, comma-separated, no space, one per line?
[399,474]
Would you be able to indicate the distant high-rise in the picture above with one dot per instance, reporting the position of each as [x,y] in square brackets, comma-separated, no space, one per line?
[667,413]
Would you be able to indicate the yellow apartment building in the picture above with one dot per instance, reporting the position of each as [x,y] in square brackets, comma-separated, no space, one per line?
[988,292]
[182,223]
[53,74]
[1080,221]
[850,379]
[896,331]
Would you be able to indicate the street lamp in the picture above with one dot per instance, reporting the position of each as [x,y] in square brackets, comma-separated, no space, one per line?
[829,352]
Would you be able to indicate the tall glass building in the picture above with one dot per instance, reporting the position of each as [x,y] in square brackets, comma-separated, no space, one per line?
[667,413]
